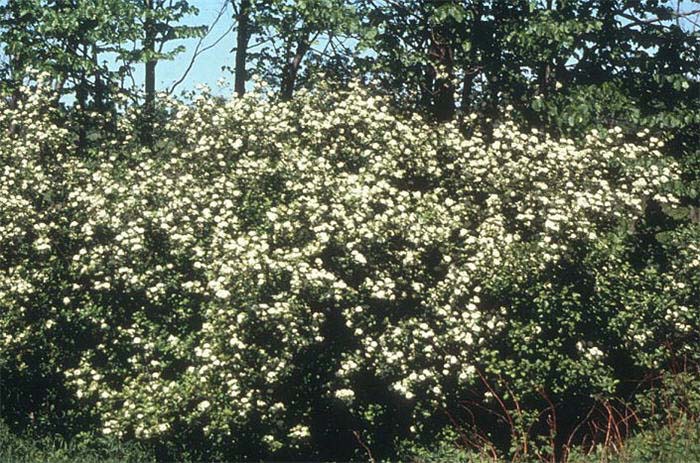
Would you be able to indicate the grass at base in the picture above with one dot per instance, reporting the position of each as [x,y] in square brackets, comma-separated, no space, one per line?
[26,449]
[677,444]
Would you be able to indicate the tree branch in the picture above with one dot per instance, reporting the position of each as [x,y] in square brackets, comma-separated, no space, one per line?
[641,22]
[198,52]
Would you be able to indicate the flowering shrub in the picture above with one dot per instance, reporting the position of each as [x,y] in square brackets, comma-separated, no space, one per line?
[275,273]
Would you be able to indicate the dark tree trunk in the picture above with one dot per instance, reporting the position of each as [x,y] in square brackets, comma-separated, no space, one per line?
[442,56]
[467,85]
[291,70]
[100,88]
[81,95]
[150,82]
[426,87]
[242,39]
[472,67]
[104,103]
[444,90]
[444,103]
[544,77]
[149,44]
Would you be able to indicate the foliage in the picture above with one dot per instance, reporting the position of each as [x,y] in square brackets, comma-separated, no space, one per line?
[308,278]
[445,449]
[664,444]
[64,39]
[166,18]
[327,276]
[92,449]
[309,32]
[548,59]
[88,47]
[661,423]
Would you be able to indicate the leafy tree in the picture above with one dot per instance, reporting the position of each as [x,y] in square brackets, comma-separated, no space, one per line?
[75,41]
[295,29]
[420,50]
[550,59]
[69,40]
[159,26]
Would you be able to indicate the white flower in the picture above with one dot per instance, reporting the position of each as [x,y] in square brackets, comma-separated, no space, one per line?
[223,294]
[346,395]
[203,405]
[359,258]
[299,432]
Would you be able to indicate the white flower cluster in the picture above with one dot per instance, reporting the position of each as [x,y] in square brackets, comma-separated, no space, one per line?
[261,232]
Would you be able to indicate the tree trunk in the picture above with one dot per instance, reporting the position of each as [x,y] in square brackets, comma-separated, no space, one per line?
[427,83]
[81,95]
[444,90]
[544,77]
[291,70]
[150,48]
[442,56]
[150,83]
[472,67]
[100,89]
[149,45]
[242,38]
[467,85]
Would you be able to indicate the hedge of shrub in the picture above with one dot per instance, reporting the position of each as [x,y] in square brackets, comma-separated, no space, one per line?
[325,277]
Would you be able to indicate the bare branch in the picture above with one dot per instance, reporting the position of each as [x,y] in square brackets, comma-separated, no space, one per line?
[640,22]
[198,50]
[358,437]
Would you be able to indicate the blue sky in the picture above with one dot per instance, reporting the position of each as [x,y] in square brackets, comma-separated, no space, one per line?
[207,67]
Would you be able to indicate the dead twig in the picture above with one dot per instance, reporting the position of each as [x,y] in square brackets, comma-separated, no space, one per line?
[358,437]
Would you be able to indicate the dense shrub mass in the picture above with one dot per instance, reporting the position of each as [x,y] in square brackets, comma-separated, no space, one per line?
[310,278]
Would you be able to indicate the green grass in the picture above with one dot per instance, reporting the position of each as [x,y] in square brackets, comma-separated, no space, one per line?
[677,443]
[88,449]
